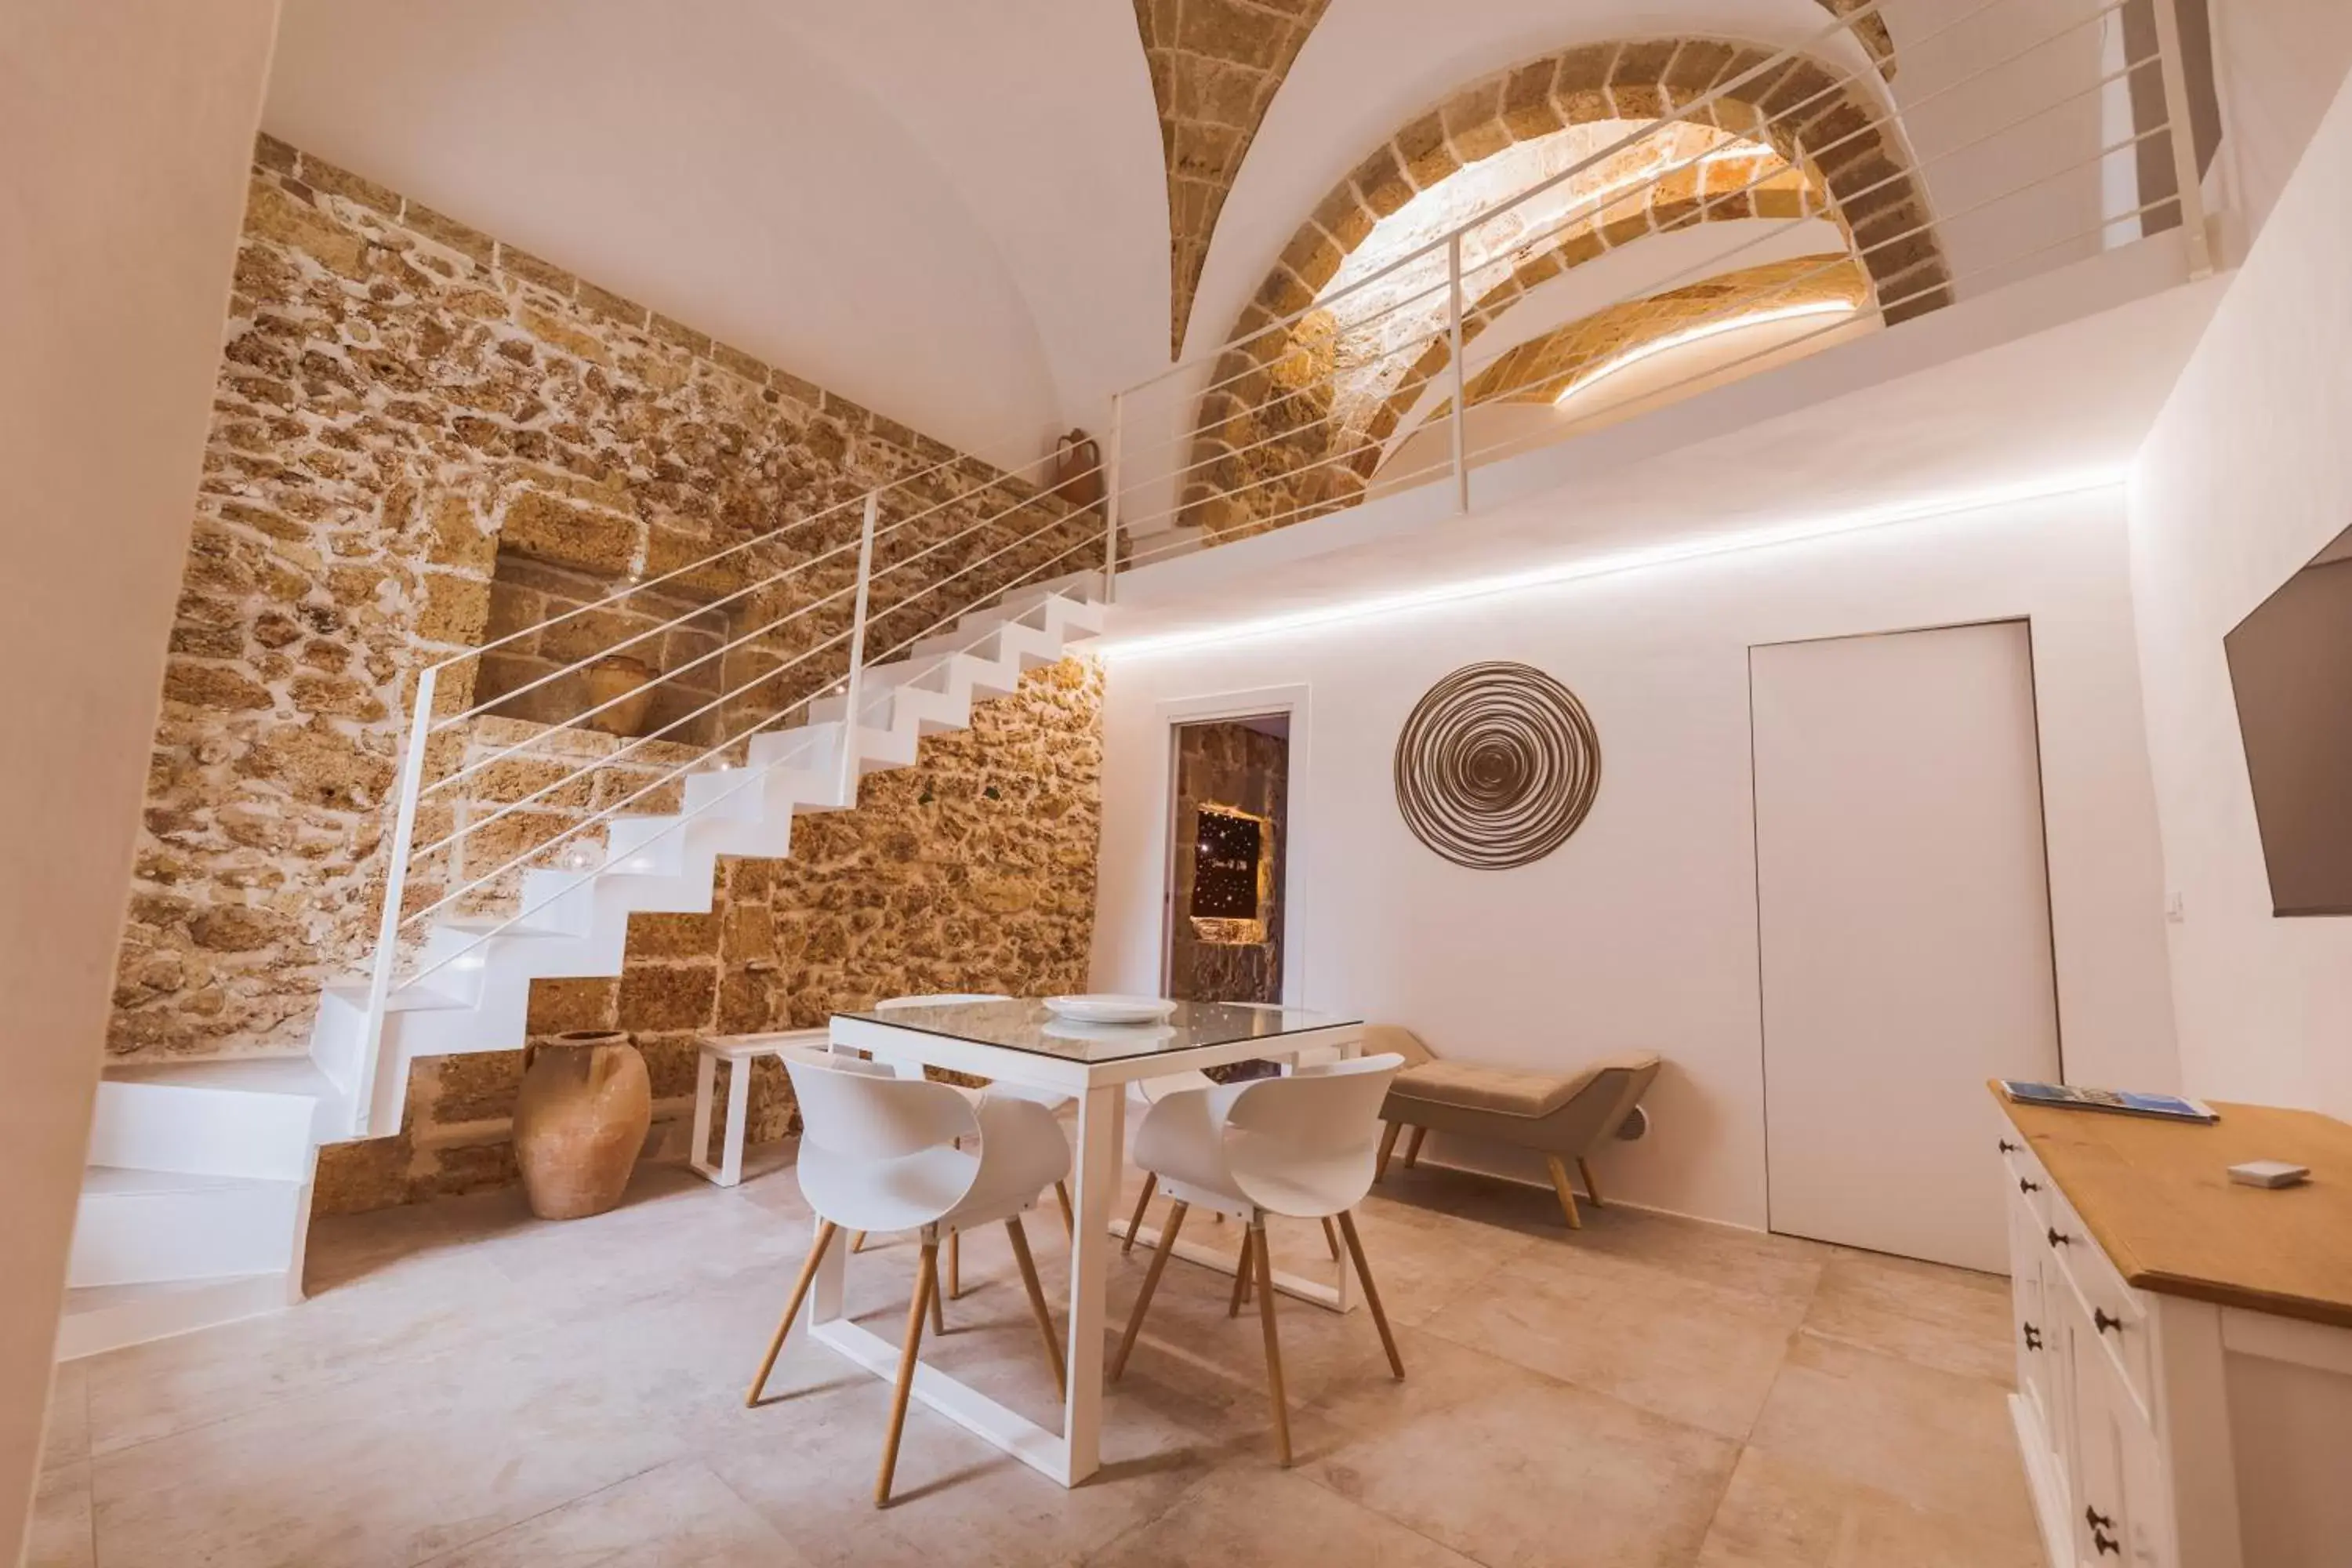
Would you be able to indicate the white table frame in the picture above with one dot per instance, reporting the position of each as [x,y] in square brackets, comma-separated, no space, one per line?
[1075,1453]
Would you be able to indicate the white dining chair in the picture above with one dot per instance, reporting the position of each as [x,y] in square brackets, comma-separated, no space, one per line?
[1301,1145]
[1053,1101]
[883,1152]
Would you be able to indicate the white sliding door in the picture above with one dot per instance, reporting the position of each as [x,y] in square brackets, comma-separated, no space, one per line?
[1903,907]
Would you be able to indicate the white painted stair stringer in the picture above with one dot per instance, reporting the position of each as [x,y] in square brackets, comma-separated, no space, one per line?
[197,1200]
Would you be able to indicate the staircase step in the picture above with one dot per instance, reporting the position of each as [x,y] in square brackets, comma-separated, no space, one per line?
[255,1116]
[139,1226]
[107,1317]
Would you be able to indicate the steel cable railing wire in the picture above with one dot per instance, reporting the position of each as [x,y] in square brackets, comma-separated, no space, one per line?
[1705,206]
[1713,262]
[606,813]
[1720,369]
[1764,71]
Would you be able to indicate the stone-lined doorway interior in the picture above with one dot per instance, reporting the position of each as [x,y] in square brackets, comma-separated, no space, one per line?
[1229,828]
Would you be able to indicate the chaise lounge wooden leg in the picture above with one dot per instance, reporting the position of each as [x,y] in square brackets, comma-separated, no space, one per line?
[1592,1187]
[1387,1147]
[1567,1194]
[1371,1293]
[1150,1186]
[825,1234]
[1263,1259]
[1150,1283]
[1037,1302]
[926,1281]
[1241,1278]
[1332,1238]
[1413,1150]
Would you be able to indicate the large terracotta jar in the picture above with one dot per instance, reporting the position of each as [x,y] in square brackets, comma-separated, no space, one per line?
[580,1121]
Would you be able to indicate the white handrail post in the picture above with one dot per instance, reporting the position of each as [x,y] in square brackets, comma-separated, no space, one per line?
[2183,136]
[1110,497]
[395,886]
[848,780]
[1454,341]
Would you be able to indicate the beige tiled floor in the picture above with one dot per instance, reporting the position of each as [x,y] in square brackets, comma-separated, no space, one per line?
[468,1387]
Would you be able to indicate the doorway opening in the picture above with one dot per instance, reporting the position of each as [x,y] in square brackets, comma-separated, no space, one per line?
[1229,837]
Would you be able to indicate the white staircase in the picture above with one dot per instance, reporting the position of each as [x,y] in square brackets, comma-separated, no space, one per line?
[197,1196]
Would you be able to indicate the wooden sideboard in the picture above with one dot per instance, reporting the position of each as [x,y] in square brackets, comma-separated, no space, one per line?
[2184,1342]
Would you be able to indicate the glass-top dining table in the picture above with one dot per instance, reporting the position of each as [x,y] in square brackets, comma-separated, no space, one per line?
[1021,1042]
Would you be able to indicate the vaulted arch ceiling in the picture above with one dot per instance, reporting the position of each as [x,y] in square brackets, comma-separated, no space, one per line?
[1298,413]
[1215,67]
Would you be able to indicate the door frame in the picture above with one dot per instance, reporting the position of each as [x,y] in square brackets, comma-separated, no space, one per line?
[1755,850]
[1258,702]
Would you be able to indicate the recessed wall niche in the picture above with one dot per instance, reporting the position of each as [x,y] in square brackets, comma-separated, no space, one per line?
[1233,874]
[1228,830]
[526,591]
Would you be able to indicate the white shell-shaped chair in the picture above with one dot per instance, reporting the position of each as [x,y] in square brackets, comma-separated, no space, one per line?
[1053,1101]
[883,1152]
[1302,1145]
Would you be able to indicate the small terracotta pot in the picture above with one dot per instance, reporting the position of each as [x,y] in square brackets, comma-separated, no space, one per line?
[581,1117]
[616,675]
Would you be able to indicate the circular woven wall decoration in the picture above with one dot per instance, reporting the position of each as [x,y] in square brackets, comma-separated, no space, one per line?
[1498,764]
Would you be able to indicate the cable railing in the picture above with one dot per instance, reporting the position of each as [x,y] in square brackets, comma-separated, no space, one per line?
[1374,385]
[503,775]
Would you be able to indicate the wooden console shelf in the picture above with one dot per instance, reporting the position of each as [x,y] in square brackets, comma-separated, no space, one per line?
[2159,1198]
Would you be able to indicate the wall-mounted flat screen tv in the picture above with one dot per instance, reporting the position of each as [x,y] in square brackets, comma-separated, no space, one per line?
[2291,666]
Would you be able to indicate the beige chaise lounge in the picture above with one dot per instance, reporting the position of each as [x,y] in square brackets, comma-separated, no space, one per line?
[1561,1116]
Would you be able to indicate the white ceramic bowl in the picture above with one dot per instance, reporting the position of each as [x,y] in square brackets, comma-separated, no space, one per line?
[1111,1009]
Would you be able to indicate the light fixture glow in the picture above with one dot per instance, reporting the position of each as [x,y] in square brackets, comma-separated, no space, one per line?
[1700,333]
[1921,509]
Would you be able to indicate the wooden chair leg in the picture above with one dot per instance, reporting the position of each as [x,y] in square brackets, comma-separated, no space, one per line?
[1372,1292]
[1069,1216]
[1037,1302]
[825,1234]
[1332,1238]
[1150,1283]
[1241,1278]
[955,1264]
[1592,1187]
[1387,1147]
[1413,1150]
[856,1242]
[1150,1186]
[938,1296]
[1567,1194]
[927,1285]
[1261,1258]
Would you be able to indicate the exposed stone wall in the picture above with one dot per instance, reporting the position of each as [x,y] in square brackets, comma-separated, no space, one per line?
[1541,369]
[1215,65]
[1233,765]
[1277,441]
[972,870]
[400,397]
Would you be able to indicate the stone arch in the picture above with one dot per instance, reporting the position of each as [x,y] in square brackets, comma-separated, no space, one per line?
[1215,67]
[1264,437]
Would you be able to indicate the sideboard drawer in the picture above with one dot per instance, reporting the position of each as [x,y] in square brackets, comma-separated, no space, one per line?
[2117,1315]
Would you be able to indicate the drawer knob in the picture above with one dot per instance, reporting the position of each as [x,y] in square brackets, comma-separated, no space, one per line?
[2025,1187]
[2096,1519]
[2104,1324]
[2006,1147]
[2106,1543]
[2059,1238]
[2032,1338]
